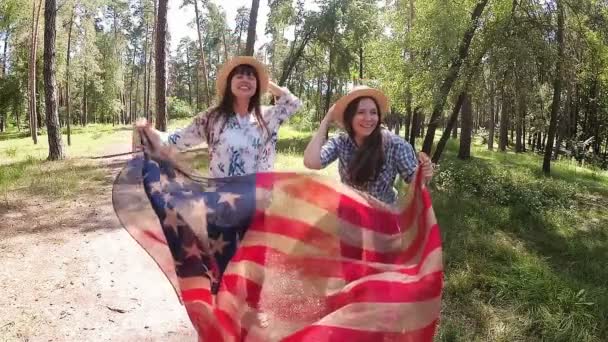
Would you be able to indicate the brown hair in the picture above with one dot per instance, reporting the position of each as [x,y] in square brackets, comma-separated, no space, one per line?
[225,109]
[369,157]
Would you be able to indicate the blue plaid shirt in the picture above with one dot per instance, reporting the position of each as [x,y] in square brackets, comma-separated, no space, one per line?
[399,158]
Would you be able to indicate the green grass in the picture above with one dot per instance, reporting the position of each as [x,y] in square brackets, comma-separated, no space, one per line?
[525,255]
[89,141]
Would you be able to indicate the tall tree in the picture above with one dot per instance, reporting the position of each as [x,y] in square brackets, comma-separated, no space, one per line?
[201,51]
[464,152]
[67,76]
[557,88]
[253,20]
[50,82]
[161,66]
[32,70]
[452,75]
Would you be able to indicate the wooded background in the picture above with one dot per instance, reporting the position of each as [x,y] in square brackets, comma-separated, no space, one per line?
[531,75]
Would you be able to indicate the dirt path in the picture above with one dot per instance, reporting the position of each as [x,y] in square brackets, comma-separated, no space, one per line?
[69,272]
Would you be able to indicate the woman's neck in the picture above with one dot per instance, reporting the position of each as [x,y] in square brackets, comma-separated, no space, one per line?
[241,106]
[359,140]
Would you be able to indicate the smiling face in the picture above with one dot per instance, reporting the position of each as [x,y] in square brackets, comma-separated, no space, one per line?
[244,82]
[365,119]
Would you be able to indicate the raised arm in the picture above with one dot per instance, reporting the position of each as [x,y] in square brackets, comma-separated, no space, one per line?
[320,153]
[182,139]
[286,105]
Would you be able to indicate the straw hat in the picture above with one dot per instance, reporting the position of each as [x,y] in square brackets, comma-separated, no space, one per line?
[222,76]
[359,91]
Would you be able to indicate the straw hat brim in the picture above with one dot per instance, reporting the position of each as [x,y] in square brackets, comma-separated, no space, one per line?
[222,76]
[342,103]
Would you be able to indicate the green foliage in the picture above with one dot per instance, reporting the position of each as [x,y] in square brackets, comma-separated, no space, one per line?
[178,108]
[499,185]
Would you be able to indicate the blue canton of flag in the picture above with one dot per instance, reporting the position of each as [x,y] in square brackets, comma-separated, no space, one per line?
[201,220]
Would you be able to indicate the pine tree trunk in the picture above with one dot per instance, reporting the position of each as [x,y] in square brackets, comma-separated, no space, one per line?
[150,60]
[189,75]
[5,54]
[361,63]
[557,89]
[33,117]
[85,119]
[466,128]
[50,83]
[225,46]
[491,121]
[504,126]
[415,126]
[67,78]
[202,52]
[253,19]
[519,125]
[161,68]
[145,66]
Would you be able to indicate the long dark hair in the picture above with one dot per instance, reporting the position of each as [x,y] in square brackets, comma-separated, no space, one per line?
[225,108]
[366,165]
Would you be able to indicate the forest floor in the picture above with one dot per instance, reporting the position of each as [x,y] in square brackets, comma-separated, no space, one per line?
[524,254]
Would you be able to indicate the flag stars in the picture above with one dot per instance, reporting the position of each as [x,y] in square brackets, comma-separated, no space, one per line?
[171,219]
[217,245]
[192,252]
[230,198]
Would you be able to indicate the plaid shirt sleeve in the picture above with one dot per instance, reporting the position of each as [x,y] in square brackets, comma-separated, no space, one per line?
[405,158]
[330,151]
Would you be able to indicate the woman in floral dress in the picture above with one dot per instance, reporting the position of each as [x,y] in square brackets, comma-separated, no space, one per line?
[241,135]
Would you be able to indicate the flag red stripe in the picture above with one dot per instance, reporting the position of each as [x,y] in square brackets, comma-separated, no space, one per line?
[313,236]
[345,269]
[340,334]
[234,284]
[192,295]
[291,228]
[384,291]
[203,322]
[348,209]
[227,322]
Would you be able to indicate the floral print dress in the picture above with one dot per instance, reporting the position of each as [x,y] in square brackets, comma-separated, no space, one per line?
[240,146]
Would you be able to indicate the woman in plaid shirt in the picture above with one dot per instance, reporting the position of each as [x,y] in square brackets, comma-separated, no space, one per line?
[370,157]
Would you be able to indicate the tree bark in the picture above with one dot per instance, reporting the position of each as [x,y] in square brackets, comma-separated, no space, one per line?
[189,75]
[557,89]
[452,75]
[491,121]
[361,63]
[503,140]
[50,83]
[466,128]
[145,61]
[446,133]
[152,42]
[415,126]
[85,119]
[253,20]
[33,118]
[161,68]
[5,53]
[519,129]
[202,52]
[67,78]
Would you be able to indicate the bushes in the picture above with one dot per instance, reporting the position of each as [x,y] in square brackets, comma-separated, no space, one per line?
[178,109]
[504,185]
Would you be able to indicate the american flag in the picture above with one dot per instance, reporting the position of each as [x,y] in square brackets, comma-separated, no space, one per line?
[287,256]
